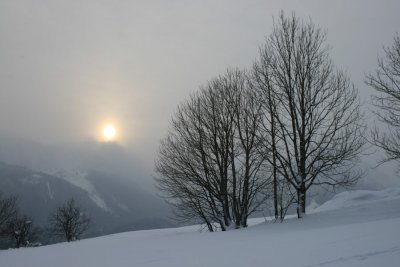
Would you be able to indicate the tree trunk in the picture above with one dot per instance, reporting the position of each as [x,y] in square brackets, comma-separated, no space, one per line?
[225,199]
[271,105]
[244,221]
[209,226]
[275,187]
[301,200]
[227,216]
[222,225]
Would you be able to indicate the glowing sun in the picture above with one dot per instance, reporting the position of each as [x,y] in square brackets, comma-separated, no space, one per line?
[109,132]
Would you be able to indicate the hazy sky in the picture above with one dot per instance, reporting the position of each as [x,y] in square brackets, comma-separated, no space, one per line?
[69,67]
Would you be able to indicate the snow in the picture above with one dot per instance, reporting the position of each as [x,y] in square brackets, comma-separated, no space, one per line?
[80,180]
[355,198]
[51,194]
[34,179]
[356,228]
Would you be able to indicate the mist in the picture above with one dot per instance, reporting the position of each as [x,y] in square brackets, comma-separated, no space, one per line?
[67,67]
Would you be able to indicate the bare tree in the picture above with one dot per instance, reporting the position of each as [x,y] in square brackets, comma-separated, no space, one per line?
[250,174]
[69,221]
[20,229]
[262,83]
[386,81]
[210,166]
[8,211]
[192,160]
[315,109]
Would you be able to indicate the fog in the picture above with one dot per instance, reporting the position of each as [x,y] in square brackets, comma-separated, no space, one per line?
[68,67]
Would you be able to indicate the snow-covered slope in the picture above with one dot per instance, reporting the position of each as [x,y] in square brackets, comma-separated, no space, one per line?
[358,228]
[359,197]
[80,180]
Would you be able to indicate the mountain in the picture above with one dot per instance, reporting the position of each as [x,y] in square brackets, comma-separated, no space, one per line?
[113,204]
[355,228]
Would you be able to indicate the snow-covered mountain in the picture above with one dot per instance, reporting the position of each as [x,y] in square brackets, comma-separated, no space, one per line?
[113,204]
[110,182]
[356,228]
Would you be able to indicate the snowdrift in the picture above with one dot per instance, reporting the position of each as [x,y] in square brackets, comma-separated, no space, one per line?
[359,197]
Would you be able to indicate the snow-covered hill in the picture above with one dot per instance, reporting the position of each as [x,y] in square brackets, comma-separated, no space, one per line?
[357,228]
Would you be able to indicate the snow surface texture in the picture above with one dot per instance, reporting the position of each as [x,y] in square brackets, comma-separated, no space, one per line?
[357,228]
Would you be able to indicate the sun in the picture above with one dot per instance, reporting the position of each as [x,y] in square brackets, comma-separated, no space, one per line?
[109,132]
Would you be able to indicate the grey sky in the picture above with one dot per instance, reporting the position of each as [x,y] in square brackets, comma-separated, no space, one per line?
[66,67]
